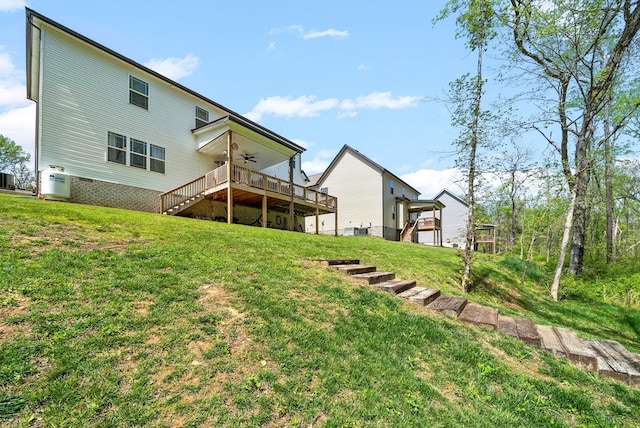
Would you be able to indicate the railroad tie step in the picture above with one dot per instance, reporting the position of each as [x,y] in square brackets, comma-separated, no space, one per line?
[425,296]
[374,277]
[451,306]
[615,361]
[395,286]
[354,269]
[333,262]
[410,292]
[475,314]
[521,328]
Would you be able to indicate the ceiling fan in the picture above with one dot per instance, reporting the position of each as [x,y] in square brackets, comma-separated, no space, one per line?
[248,158]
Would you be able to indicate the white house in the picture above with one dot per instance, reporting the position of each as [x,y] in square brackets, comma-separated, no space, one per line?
[125,136]
[372,199]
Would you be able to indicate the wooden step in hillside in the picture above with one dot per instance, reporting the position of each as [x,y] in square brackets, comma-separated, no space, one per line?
[616,362]
[451,306]
[354,269]
[475,314]
[374,277]
[396,286]
[334,262]
[425,296]
[521,328]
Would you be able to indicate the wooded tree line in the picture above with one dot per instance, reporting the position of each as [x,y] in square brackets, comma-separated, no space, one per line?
[575,64]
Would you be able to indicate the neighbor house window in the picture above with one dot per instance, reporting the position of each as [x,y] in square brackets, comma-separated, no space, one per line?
[324,190]
[138,154]
[404,192]
[138,92]
[202,117]
[117,150]
[156,155]
[391,186]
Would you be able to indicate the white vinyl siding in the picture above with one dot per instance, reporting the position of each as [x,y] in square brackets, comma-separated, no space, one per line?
[358,189]
[86,90]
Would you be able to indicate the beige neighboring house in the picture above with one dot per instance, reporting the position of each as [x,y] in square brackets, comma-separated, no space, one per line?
[112,132]
[372,200]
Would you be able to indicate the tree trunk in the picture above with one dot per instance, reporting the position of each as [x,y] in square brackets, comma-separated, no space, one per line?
[608,182]
[555,285]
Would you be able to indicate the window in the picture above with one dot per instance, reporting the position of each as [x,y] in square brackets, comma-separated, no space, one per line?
[138,154]
[138,92]
[391,186]
[117,150]
[156,155]
[324,190]
[404,192]
[202,117]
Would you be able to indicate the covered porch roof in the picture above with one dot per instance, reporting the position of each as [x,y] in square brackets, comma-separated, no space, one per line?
[252,144]
[421,205]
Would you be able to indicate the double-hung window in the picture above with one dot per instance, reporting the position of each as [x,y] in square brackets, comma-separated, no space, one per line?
[138,92]
[202,117]
[391,186]
[156,158]
[117,148]
[138,154]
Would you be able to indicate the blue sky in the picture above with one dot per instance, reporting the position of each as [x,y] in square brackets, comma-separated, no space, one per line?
[322,74]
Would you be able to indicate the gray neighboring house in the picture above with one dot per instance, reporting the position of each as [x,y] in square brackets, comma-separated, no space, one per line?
[453,227]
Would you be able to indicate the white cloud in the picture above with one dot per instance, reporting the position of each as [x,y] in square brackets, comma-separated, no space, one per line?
[378,100]
[429,182]
[12,88]
[19,124]
[363,67]
[308,106]
[331,32]
[272,46]
[311,34]
[304,106]
[319,163]
[174,68]
[9,5]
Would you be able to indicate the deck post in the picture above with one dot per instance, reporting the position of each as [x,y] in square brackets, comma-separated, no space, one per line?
[440,230]
[336,218]
[291,212]
[264,210]
[317,215]
[229,178]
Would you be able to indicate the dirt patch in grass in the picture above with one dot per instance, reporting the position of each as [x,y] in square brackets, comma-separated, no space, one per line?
[12,305]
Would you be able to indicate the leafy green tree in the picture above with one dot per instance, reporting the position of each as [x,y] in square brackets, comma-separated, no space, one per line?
[15,160]
[578,48]
[476,21]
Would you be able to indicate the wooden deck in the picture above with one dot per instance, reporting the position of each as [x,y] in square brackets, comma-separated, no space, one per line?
[249,188]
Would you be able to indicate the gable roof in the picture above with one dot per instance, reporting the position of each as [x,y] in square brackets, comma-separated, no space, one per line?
[32,75]
[346,148]
[447,192]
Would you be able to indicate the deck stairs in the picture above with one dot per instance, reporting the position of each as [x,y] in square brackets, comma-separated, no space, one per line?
[606,357]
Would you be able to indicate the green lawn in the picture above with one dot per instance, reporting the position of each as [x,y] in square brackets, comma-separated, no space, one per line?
[119,318]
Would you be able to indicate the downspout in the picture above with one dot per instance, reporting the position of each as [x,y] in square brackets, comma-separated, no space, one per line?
[29,29]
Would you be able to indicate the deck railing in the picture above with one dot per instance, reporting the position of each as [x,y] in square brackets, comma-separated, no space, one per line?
[428,223]
[246,177]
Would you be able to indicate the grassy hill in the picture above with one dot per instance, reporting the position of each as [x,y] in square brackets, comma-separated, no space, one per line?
[119,318]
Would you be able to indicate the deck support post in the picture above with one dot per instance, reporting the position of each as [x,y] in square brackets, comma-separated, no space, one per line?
[317,215]
[336,219]
[264,210]
[230,177]
[440,228]
[292,219]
